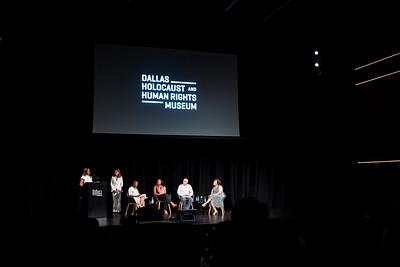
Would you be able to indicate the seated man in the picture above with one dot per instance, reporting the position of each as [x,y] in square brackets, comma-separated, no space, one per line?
[185,193]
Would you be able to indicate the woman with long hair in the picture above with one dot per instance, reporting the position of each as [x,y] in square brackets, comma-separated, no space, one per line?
[86,177]
[117,183]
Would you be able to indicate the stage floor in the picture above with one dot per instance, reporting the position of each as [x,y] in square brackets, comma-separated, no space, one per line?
[200,219]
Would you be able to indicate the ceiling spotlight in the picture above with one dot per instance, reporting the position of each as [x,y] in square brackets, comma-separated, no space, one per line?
[316,64]
[316,52]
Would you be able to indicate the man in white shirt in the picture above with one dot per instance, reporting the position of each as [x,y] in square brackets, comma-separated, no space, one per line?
[185,193]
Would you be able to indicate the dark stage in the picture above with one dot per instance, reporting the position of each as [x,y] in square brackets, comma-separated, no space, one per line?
[202,218]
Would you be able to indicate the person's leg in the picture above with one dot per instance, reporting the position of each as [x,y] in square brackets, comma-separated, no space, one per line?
[190,202]
[181,200]
[131,206]
[159,199]
[119,202]
[113,205]
[114,202]
[142,201]
[164,198]
[169,201]
[186,204]
[208,201]
[215,211]
[166,206]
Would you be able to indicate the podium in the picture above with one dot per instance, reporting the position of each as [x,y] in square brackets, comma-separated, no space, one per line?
[96,195]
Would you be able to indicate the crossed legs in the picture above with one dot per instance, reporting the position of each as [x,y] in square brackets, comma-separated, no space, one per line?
[213,207]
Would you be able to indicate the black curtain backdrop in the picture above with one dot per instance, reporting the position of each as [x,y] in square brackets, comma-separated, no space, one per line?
[240,178]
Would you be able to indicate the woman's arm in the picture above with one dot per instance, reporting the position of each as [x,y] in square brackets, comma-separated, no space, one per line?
[220,190]
[179,191]
[112,184]
[135,193]
[155,191]
[81,182]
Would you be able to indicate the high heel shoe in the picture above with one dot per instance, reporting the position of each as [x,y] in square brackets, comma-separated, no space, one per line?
[215,212]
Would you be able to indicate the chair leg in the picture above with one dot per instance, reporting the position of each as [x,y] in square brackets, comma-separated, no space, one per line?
[126,211]
[135,208]
[158,205]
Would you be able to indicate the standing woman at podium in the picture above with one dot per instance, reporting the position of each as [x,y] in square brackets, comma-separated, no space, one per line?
[85,178]
[116,189]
